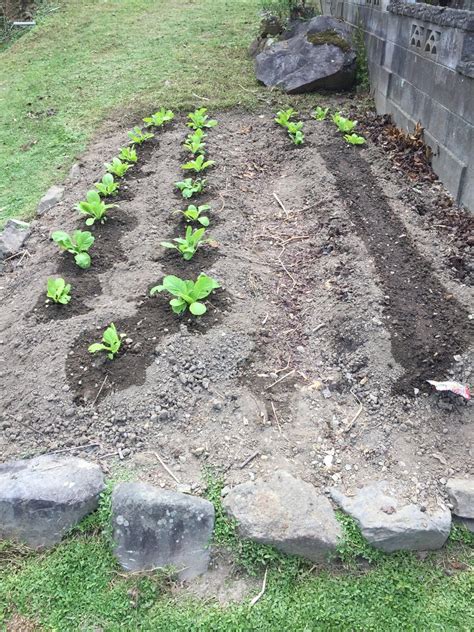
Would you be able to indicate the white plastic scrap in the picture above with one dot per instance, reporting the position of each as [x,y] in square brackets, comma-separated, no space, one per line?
[454,387]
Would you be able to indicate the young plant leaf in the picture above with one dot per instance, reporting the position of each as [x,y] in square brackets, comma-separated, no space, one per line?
[198,165]
[320,113]
[107,186]
[159,118]
[128,154]
[138,136]
[354,139]
[190,187]
[78,245]
[117,167]
[188,293]
[111,342]
[58,291]
[199,119]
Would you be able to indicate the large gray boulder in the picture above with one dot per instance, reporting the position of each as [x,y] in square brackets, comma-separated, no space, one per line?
[13,237]
[155,528]
[389,524]
[461,496]
[314,55]
[42,498]
[286,513]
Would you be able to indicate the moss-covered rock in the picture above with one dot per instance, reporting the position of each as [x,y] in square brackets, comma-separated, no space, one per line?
[329,37]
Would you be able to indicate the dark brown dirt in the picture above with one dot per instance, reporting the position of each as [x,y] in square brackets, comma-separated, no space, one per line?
[427,329]
[297,357]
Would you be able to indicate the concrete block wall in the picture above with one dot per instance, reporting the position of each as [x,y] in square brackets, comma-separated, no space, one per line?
[421,64]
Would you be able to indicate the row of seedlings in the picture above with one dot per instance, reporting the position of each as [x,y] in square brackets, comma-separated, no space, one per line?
[95,209]
[189,294]
[295,128]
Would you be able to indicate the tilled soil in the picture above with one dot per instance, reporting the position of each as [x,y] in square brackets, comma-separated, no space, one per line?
[336,306]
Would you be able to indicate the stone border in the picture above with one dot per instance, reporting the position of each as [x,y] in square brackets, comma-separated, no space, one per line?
[42,499]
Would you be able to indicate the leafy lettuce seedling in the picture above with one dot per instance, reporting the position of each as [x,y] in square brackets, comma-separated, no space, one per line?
[344,125]
[283,117]
[194,142]
[320,113]
[198,165]
[111,342]
[138,136]
[117,167]
[58,291]
[107,186]
[159,118]
[95,208]
[128,154]
[193,214]
[188,293]
[199,119]
[295,132]
[190,187]
[354,139]
[78,245]
[187,246]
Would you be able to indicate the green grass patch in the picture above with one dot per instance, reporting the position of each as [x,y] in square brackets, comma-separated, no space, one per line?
[78,586]
[90,61]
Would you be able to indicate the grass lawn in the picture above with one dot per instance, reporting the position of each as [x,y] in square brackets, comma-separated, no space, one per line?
[93,60]
[78,586]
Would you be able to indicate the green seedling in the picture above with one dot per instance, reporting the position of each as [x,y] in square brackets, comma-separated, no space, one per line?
[190,187]
[159,118]
[58,291]
[283,117]
[354,139]
[295,132]
[128,154]
[107,186]
[199,119]
[193,214]
[194,142]
[117,167]
[344,125]
[111,342]
[320,113]
[188,245]
[188,293]
[198,165]
[95,208]
[138,136]
[78,245]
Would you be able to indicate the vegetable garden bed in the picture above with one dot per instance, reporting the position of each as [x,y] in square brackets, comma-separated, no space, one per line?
[335,306]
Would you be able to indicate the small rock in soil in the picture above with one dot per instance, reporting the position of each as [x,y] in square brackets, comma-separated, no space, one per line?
[156,528]
[287,513]
[50,199]
[389,524]
[42,498]
[13,237]
[461,496]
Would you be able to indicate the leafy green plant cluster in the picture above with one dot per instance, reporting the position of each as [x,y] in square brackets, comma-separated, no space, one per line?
[346,126]
[111,342]
[294,128]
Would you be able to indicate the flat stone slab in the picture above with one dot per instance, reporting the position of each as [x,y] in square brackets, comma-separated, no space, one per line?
[52,196]
[43,498]
[389,524]
[461,496]
[155,528]
[13,237]
[286,513]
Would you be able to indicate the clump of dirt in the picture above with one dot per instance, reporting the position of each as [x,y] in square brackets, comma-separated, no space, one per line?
[328,37]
